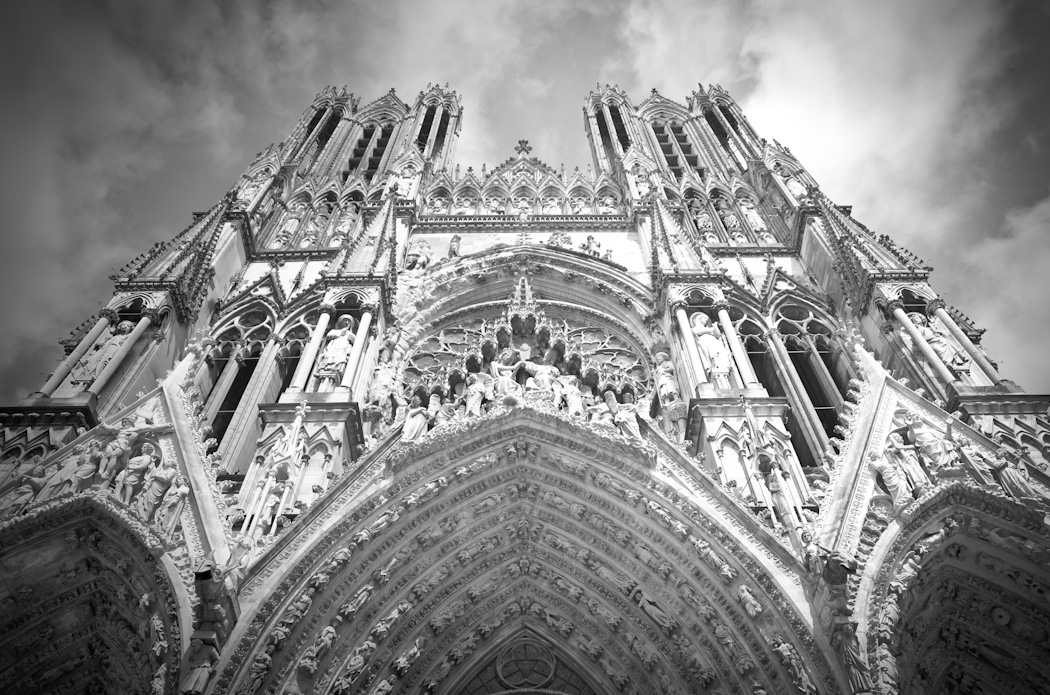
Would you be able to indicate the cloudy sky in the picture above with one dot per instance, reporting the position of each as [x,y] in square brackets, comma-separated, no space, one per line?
[119,120]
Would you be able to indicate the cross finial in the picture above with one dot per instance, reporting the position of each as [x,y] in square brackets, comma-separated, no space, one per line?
[523,147]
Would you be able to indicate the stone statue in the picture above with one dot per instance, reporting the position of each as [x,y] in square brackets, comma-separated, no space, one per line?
[502,371]
[703,221]
[937,450]
[102,353]
[331,364]
[252,186]
[674,408]
[29,486]
[417,257]
[751,214]
[416,421]
[729,219]
[383,396]
[158,483]
[347,219]
[1013,475]
[649,606]
[351,607]
[625,415]
[569,390]
[135,472]
[952,357]
[465,205]
[844,641]
[891,478]
[592,247]
[712,346]
[748,601]
[115,454]
[551,206]
[453,246]
[908,463]
[436,205]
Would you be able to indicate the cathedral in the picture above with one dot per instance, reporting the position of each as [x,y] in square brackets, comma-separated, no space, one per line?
[379,423]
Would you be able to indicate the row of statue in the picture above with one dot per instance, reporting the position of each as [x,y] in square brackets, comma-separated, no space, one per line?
[499,384]
[522,206]
[938,338]
[303,228]
[127,467]
[917,456]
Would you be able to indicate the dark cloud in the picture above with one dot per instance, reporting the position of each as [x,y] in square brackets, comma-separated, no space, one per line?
[119,121]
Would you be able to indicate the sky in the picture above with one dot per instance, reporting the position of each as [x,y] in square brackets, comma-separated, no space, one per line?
[119,120]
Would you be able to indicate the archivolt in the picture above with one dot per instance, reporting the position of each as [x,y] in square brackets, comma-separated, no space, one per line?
[523,537]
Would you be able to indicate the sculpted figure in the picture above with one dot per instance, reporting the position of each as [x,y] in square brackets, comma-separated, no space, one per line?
[502,371]
[405,661]
[754,219]
[908,463]
[953,358]
[416,421]
[893,481]
[417,257]
[436,205]
[938,450]
[607,205]
[351,607]
[29,485]
[102,353]
[382,627]
[453,246]
[332,362]
[601,413]
[592,247]
[648,604]
[551,206]
[748,601]
[729,219]
[158,482]
[703,221]
[625,415]
[65,478]
[1014,476]
[135,472]
[711,344]
[252,186]
[465,205]
[114,456]
[844,641]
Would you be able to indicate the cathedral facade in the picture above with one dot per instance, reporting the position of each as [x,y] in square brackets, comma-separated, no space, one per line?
[378,423]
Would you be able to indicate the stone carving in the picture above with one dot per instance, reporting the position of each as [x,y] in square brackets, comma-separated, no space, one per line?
[453,246]
[713,348]
[382,627]
[446,617]
[751,214]
[907,462]
[436,205]
[351,607]
[898,486]
[844,642]
[591,247]
[1013,476]
[201,660]
[938,451]
[416,421]
[382,575]
[100,355]
[354,666]
[711,558]
[116,452]
[649,606]
[747,599]
[332,362]
[324,640]
[417,256]
[938,339]
[674,408]
[383,396]
[407,658]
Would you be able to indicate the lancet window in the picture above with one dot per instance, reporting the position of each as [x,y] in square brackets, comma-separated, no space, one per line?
[677,151]
[368,151]
[231,363]
[318,139]
[728,146]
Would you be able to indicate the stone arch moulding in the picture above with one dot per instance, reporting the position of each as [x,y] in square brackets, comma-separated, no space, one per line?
[90,591]
[962,600]
[520,527]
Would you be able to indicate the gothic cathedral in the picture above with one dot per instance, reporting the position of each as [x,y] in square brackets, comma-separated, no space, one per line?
[378,423]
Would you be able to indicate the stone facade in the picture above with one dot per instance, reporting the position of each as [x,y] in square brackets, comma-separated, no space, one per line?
[674,424]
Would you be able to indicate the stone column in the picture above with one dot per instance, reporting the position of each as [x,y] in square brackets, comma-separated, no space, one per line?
[359,347]
[148,317]
[238,446]
[223,383]
[106,317]
[690,346]
[743,364]
[936,307]
[793,383]
[821,370]
[614,138]
[260,502]
[897,306]
[306,360]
